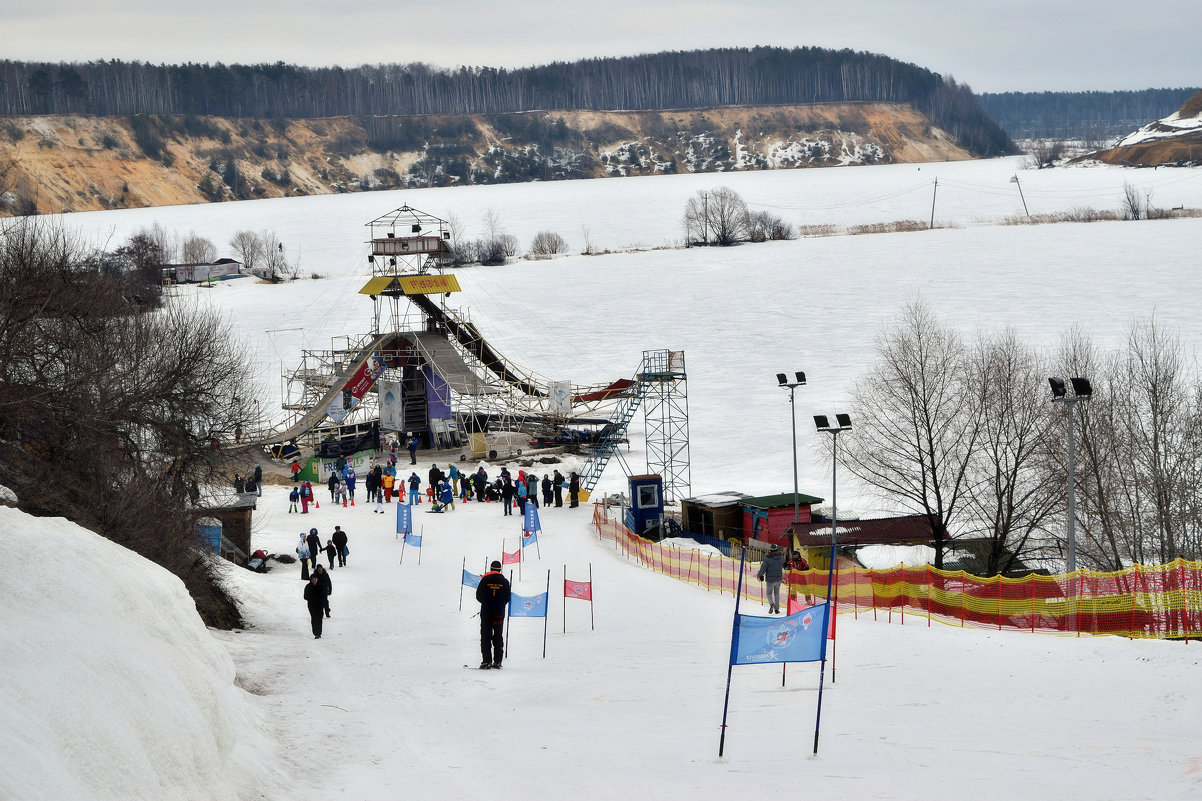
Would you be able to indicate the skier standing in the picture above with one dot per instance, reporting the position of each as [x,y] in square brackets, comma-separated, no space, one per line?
[493,595]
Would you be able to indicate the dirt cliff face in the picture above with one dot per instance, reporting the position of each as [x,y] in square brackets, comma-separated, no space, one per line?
[75,163]
[1174,140]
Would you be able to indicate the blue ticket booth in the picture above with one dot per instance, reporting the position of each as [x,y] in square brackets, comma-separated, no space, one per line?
[645,514]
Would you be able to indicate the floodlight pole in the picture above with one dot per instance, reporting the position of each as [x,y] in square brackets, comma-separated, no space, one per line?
[1072,483]
[1082,391]
[843,424]
[792,387]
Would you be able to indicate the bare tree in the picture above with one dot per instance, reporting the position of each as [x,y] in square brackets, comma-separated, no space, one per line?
[717,217]
[1011,502]
[548,243]
[105,406]
[197,250]
[275,261]
[249,248]
[1046,153]
[1135,205]
[918,421]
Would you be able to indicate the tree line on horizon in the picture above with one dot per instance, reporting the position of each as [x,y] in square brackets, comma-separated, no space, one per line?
[658,81]
[1092,116]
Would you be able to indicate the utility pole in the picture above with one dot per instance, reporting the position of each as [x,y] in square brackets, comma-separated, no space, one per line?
[933,191]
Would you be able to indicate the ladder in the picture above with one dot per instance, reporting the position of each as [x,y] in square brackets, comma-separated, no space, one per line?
[605,447]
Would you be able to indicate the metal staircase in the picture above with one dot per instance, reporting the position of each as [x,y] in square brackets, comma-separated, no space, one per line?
[660,378]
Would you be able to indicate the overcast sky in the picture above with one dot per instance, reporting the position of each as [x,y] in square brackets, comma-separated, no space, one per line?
[993,45]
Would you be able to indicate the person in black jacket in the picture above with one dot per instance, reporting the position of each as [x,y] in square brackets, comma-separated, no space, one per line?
[558,481]
[493,594]
[507,491]
[259,480]
[574,491]
[339,538]
[315,598]
[323,578]
[314,542]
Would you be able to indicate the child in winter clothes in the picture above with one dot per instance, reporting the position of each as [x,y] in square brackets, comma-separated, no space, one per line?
[446,495]
[293,499]
[331,552]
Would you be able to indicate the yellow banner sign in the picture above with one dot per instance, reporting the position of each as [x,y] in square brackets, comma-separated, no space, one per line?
[428,284]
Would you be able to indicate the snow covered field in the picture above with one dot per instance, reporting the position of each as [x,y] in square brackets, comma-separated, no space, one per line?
[114,690]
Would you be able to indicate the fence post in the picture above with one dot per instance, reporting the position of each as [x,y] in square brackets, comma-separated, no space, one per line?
[930,595]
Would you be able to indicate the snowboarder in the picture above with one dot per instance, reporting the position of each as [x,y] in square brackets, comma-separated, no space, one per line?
[493,594]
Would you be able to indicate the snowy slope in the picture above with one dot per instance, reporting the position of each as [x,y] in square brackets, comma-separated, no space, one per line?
[125,696]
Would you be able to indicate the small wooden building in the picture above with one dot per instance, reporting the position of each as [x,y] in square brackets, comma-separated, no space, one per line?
[234,511]
[717,514]
[767,517]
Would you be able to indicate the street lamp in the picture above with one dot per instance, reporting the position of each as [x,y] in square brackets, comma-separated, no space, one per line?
[1081,391]
[842,423]
[784,382]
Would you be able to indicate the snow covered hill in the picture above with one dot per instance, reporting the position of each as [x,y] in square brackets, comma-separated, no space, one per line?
[1175,139]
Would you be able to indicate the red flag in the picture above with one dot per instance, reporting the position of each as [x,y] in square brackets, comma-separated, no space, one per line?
[511,558]
[578,589]
[795,605]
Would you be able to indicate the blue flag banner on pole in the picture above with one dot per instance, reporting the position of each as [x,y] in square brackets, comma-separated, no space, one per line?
[404,518]
[529,538]
[528,605]
[470,579]
[413,539]
[531,522]
[800,637]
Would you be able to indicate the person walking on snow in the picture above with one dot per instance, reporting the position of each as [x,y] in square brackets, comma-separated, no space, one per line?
[331,552]
[259,480]
[293,499]
[315,599]
[493,595]
[772,570]
[339,539]
[350,480]
[314,543]
[323,578]
[415,494]
[302,553]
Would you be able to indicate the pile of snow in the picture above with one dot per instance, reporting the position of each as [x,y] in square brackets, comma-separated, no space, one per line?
[113,688]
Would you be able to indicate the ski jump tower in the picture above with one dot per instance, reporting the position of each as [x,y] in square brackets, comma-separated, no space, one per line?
[426,370]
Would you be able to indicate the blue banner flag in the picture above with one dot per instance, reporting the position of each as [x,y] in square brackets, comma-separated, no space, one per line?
[800,637]
[529,538]
[413,539]
[528,605]
[404,518]
[470,579]
[531,522]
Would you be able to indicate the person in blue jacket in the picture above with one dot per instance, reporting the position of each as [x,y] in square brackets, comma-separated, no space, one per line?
[415,495]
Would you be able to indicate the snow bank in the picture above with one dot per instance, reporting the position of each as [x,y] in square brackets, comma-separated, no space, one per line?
[113,687]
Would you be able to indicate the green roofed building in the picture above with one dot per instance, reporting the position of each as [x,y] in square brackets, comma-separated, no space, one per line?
[766,517]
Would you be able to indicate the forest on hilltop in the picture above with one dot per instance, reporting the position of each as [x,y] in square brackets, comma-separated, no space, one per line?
[672,80]
[1093,116]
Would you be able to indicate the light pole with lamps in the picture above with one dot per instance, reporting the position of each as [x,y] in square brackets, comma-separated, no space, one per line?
[785,383]
[822,423]
[1081,391]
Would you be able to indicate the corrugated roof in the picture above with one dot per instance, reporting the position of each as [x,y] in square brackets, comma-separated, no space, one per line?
[777,501]
[908,530]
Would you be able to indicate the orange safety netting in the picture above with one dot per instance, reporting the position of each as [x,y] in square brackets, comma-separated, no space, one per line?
[1160,602]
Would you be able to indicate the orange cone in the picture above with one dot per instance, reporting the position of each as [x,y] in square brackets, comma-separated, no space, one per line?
[344,504]
[352,501]
[316,504]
